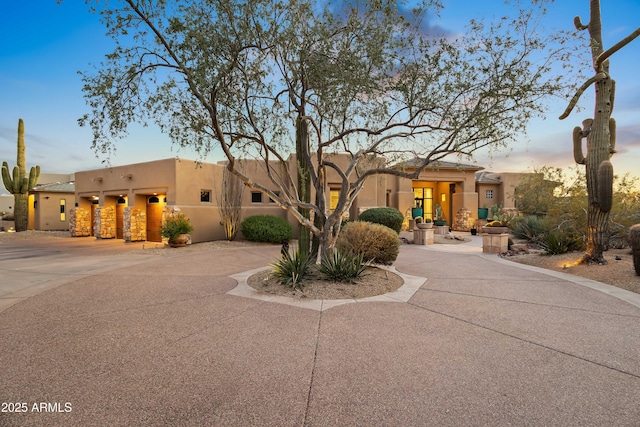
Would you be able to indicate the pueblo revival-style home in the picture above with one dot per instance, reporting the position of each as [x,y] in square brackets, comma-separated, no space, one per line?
[129,202]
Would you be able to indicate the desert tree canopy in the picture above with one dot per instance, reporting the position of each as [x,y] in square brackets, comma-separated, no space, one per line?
[369,79]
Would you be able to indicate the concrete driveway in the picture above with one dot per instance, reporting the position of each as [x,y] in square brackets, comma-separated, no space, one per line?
[163,341]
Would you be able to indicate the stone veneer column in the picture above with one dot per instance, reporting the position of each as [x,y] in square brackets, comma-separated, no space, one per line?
[135,225]
[105,223]
[79,222]
[461,222]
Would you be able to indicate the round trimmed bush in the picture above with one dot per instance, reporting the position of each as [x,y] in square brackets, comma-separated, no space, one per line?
[391,217]
[266,228]
[376,242]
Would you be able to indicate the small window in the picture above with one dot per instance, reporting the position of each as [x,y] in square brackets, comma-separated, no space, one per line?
[277,193]
[489,194]
[63,214]
[256,197]
[205,196]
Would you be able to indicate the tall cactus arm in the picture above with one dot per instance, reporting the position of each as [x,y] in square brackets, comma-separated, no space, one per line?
[578,156]
[34,174]
[578,24]
[21,158]
[17,180]
[612,136]
[6,178]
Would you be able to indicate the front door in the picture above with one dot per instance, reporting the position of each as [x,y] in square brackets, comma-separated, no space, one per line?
[154,219]
[122,203]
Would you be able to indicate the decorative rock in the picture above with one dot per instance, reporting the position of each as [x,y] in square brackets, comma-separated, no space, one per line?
[462,220]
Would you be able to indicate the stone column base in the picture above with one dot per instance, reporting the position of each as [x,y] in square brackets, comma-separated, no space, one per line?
[423,236]
[495,243]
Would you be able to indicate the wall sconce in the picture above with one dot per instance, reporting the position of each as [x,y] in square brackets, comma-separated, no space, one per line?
[444,197]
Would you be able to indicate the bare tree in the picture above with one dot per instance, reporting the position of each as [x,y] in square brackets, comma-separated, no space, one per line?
[369,79]
[600,133]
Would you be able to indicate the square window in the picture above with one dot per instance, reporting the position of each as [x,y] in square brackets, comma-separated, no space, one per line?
[256,197]
[277,193]
[489,194]
[205,196]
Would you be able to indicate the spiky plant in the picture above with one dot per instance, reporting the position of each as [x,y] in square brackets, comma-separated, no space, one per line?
[19,184]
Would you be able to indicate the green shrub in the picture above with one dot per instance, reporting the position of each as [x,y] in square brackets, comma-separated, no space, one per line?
[176,225]
[390,217]
[342,266]
[530,228]
[266,228]
[291,270]
[377,243]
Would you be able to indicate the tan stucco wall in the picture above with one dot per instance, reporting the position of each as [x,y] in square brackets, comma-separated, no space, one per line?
[181,182]
[46,216]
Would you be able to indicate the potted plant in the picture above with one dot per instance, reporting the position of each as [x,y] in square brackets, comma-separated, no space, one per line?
[483,213]
[496,227]
[417,211]
[423,223]
[473,229]
[176,228]
[439,221]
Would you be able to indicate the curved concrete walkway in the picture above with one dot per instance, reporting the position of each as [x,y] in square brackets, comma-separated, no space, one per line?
[161,341]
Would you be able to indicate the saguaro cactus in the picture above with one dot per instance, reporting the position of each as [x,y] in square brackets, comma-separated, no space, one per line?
[19,184]
[600,133]
[634,238]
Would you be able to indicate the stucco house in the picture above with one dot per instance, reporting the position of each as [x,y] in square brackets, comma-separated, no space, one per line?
[49,202]
[495,188]
[129,202]
[49,206]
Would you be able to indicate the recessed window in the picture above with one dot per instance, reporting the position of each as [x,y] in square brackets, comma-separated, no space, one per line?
[205,196]
[256,197]
[277,193]
[489,194]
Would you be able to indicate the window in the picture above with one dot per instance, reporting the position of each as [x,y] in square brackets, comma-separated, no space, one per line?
[489,194]
[423,197]
[205,196]
[334,196]
[63,214]
[256,197]
[277,193]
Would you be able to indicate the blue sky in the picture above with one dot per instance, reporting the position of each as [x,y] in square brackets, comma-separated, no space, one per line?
[46,44]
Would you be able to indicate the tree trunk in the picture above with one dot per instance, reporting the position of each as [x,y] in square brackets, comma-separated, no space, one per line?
[304,183]
[21,211]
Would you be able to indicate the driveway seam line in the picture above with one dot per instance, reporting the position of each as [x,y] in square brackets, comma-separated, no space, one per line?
[637,376]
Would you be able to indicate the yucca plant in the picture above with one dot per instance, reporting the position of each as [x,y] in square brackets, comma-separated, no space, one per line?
[343,266]
[291,270]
